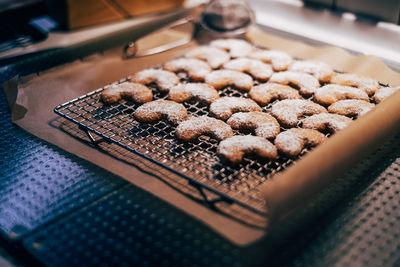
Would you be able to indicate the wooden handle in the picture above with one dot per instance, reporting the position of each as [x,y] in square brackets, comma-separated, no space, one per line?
[311,174]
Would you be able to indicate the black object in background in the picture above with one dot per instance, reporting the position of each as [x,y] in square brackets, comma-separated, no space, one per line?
[386,10]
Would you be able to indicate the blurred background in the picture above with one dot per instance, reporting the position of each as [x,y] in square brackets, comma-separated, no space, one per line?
[361,26]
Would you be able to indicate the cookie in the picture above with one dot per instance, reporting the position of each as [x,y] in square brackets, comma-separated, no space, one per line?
[221,78]
[306,83]
[203,125]
[235,47]
[289,111]
[279,60]
[224,107]
[215,57]
[291,142]
[332,93]
[195,68]
[326,122]
[234,148]
[384,92]
[319,70]
[262,124]
[351,107]
[255,68]
[136,92]
[162,78]
[157,110]
[368,85]
[267,92]
[199,91]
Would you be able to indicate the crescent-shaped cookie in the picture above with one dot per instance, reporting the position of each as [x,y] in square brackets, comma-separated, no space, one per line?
[384,92]
[221,78]
[332,93]
[292,141]
[320,70]
[157,110]
[263,124]
[162,78]
[279,60]
[136,92]
[214,56]
[368,85]
[306,83]
[234,148]
[351,107]
[203,125]
[200,91]
[267,92]
[289,111]
[224,107]
[326,122]
[235,47]
[195,68]
[255,68]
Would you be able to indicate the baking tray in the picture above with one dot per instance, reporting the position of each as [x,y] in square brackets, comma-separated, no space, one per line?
[197,161]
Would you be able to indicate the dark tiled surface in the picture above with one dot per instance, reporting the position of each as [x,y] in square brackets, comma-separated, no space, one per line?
[39,182]
[364,228]
[130,228]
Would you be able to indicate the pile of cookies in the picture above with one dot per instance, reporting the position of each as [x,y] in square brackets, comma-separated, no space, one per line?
[305,100]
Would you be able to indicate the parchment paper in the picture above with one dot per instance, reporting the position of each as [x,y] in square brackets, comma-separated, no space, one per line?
[33,98]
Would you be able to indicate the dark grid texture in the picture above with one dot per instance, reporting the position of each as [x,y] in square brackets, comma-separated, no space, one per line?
[131,228]
[364,227]
[39,182]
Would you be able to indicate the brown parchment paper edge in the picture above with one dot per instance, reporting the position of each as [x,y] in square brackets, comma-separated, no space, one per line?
[235,232]
[293,188]
[299,183]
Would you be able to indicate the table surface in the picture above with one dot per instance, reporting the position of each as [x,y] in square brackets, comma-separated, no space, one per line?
[59,210]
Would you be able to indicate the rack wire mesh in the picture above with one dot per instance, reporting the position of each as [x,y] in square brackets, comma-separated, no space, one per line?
[197,161]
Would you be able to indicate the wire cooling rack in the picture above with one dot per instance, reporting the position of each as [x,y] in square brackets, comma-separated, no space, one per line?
[197,161]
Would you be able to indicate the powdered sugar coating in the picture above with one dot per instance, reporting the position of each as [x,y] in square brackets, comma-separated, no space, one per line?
[368,85]
[214,56]
[289,111]
[326,122]
[384,92]
[164,79]
[157,110]
[318,69]
[195,68]
[351,107]
[262,124]
[234,148]
[224,107]
[236,47]
[222,78]
[255,68]
[306,83]
[203,125]
[280,60]
[332,93]
[292,141]
[136,92]
[200,91]
[265,93]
